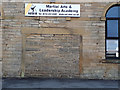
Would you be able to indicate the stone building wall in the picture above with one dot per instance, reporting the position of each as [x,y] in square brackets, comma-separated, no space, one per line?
[0,49]
[52,55]
[82,61]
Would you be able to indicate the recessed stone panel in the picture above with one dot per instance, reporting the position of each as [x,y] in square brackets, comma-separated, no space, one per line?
[52,55]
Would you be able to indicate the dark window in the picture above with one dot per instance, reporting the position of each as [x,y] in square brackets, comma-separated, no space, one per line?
[113,33]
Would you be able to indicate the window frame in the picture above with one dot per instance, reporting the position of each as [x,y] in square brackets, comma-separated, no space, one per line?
[112,38]
[1,13]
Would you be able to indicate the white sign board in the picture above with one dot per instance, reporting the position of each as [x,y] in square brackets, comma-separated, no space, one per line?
[56,10]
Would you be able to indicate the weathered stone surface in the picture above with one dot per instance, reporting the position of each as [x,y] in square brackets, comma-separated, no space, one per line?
[49,55]
[63,1]
[52,55]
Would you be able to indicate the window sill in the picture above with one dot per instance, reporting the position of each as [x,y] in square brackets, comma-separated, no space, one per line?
[110,61]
